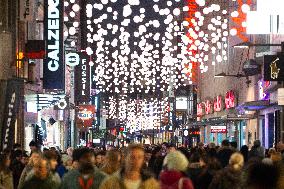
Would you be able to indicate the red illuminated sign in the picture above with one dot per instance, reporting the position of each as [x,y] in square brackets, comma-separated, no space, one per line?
[218,129]
[86,115]
[199,109]
[218,104]
[208,107]
[230,100]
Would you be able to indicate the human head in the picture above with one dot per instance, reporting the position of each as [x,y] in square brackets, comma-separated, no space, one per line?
[262,174]
[257,143]
[100,156]
[51,157]
[234,144]
[176,161]
[5,162]
[33,146]
[35,157]
[112,162]
[18,155]
[276,157]
[171,148]
[236,161]
[70,151]
[25,159]
[225,143]
[86,160]
[134,159]
[41,169]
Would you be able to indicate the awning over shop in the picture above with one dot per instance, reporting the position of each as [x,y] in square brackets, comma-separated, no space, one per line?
[255,105]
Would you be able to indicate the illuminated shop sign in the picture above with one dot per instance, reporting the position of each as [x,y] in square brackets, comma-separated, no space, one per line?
[86,115]
[217,105]
[82,78]
[218,129]
[53,67]
[230,100]
[273,68]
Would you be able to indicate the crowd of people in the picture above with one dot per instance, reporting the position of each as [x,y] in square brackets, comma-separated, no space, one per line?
[144,167]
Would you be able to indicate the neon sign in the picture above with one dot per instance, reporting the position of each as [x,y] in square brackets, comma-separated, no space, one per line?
[230,100]
[218,129]
[200,109]
[53,28]
[218,104]
[208,107]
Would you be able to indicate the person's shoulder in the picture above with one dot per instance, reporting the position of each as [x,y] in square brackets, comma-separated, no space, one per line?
[151,183]
[72,173]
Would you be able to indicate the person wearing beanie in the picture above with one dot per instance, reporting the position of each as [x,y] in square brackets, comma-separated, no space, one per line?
[230,176]
[173,176]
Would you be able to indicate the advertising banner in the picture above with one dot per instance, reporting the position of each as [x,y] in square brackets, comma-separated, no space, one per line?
[82,79]
[14,91]
[53,66]
[86,115]
[218,129]
[273,68]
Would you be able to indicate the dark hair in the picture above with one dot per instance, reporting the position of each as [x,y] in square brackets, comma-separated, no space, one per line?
[234,144]
[3,159]
[262,176]
[49,155]
[244,152]
[18,153]
[81,152]
[33,143]
[225,143]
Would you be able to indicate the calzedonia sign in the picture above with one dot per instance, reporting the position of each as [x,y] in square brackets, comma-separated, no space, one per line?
[218,104]
[53,66]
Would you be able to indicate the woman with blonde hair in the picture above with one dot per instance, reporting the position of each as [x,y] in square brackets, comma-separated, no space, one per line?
[231,176]
[112,162]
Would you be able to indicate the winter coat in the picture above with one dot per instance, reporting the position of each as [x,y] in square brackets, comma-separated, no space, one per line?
[170,179]
[257,152]
[71,180]
[27,170]
[227,178]
[6,180]
[35,182]
[224,156]
[17,168]
[115,181]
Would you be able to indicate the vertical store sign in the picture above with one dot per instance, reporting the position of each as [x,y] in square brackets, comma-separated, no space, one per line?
[13,92]
[53,68]
[82,79]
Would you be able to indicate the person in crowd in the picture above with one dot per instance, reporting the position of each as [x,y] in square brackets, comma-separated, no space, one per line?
[17,167]
[100,159]
[257,151]
[131,176]
[173,176]
[263,175]
[6,176]
[86,175]
[225,153]
[112,162]
[210,166]
[67,162]
[51,158]
[41,178]
[33,146]
[70,152]
[245,151]
[60,168]
[195,165]
[231,176]
[35,157]
[25,159]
